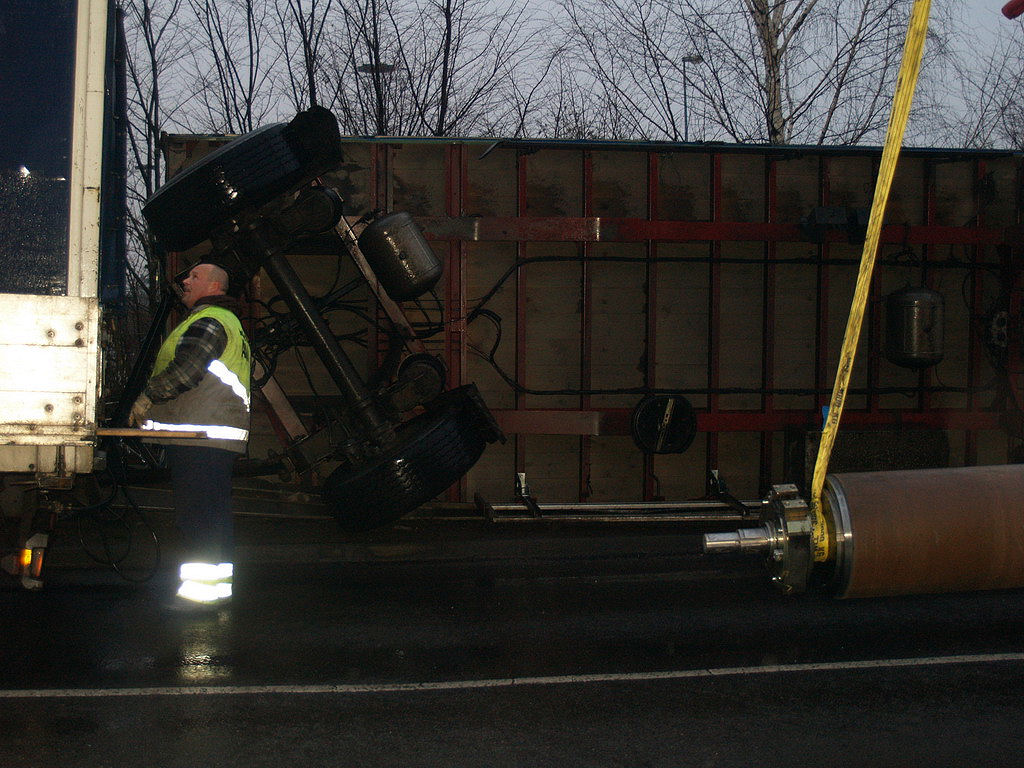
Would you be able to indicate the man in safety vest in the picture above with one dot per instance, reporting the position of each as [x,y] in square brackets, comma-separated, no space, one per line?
[200,384]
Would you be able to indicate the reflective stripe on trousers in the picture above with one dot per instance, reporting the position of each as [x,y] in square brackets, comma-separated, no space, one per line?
[205,582]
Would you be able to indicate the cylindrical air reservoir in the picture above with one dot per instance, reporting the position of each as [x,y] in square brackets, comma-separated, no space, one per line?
[913,327]
[925,531]
[400,256]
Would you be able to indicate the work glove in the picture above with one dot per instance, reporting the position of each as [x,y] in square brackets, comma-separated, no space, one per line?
[139,410]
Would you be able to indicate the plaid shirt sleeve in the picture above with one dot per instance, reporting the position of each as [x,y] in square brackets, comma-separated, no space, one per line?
[203,342]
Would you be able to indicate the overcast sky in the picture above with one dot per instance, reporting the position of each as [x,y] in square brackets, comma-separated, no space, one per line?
[986,13]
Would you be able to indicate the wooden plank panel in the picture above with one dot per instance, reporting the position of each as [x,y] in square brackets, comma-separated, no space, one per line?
[619,184]
[418,175]
[795,332]
[552,466]
[616,469]
[683,187]
[577,199]
[741,334]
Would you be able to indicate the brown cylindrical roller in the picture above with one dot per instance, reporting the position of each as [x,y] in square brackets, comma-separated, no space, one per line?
[924,531]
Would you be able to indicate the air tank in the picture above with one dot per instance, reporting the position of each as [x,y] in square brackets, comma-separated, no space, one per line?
[400,256]
[913,328]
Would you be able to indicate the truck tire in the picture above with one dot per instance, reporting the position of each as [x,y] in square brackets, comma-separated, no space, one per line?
[242,175]
[432,451]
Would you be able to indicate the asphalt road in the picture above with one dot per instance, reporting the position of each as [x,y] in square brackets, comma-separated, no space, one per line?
[510,651]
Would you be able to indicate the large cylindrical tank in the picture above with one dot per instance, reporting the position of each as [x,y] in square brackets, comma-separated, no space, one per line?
[913,327]
[925,531]
[400,256]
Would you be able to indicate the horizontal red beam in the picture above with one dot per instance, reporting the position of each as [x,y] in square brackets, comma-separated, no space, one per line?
[754,421]
[548,422]
[616,421]
[622,230]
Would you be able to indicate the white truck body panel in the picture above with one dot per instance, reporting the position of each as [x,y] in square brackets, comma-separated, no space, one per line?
[49,345]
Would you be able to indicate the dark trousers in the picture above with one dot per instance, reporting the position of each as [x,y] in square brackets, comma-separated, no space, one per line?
[201,481]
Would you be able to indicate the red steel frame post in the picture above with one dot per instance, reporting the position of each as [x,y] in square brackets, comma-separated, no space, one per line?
[455,286]
[714,309]
[873,331]
[924,380]
[380,168]
[1014,345]
[650,490]
[822,379]
[975,352]
[768,324]
[455,267]
[586,336]
[520,351]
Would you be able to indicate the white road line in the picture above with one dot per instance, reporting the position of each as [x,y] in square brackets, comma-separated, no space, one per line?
[510,682]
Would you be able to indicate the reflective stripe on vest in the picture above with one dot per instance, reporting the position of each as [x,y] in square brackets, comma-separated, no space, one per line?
[215,431]
[229,377]
[226,377]
[236,354]
[232,367]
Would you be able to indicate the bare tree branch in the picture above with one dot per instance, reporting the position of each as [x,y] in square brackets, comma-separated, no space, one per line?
[234,81]
[775,71]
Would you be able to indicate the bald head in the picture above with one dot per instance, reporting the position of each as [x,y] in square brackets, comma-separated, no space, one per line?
[202,281]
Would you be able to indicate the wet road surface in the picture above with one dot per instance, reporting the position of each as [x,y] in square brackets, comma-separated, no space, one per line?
[534,657]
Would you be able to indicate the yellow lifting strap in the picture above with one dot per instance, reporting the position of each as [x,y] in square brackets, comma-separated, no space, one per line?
[909,69]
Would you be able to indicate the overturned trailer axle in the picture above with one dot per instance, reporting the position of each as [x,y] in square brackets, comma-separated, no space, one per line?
[895,533]
[252,199]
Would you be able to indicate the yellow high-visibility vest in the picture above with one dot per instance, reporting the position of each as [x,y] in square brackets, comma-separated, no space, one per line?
[219,405]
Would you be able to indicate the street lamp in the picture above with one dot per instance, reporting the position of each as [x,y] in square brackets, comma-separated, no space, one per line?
[379,73]
[694,59]
[376,69]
